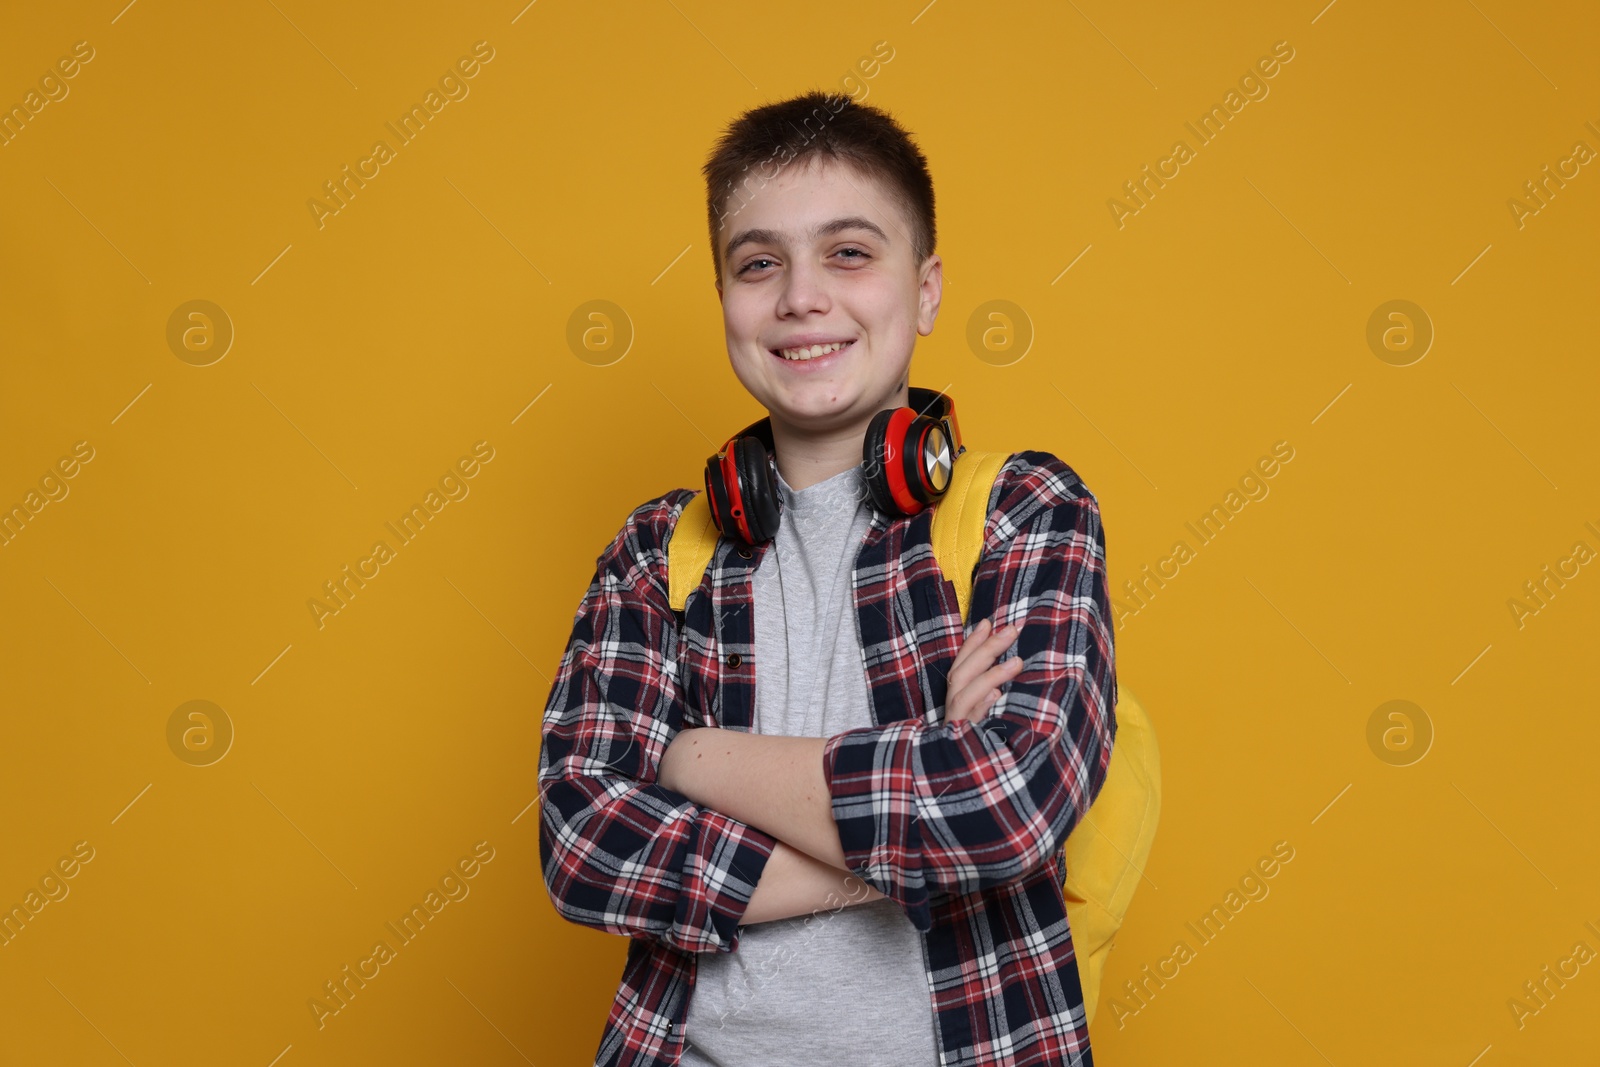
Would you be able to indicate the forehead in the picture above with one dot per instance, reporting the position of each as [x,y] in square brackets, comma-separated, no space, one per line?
[798,205]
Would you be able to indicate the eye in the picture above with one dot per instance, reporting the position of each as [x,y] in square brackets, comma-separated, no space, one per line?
[752,263]
[859,254]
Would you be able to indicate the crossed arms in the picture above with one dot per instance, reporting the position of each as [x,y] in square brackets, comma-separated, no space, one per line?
[634,843]
[778,785]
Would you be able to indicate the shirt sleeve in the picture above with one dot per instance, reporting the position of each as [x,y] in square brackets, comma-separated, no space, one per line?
[959,807]
[620,852]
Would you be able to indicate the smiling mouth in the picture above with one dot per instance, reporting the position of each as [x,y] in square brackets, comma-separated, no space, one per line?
[810,352]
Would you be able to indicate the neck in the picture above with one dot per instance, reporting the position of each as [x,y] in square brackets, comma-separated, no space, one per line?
[806,457]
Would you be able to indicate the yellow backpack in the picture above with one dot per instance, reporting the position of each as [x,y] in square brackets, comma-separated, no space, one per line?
[1103,862]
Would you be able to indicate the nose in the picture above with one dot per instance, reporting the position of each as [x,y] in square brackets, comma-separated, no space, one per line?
[804,289]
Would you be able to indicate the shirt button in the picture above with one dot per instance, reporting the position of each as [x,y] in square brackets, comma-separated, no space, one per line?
[734,659]
[745,553]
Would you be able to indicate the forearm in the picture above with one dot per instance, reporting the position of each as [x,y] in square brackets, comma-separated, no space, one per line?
[793,883]
[687,883]
[773,783]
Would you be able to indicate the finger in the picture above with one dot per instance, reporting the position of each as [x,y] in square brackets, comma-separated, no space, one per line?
[974,709]
[987,641]
[995,676]
[968,698]
[980,651]
[969,659]
[1003,637]
[961,701]
[993,641]
[979,632]
[1001,672]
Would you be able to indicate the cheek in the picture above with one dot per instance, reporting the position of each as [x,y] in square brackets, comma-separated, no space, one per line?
[748,360]
[889,312]
[747,316]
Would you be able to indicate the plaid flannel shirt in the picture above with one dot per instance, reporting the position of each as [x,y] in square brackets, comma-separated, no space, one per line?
[960,823]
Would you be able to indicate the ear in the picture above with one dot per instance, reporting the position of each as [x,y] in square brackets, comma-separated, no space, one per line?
[930,292]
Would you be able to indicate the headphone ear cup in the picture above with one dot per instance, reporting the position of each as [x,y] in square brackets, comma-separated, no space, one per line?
[876,463]
[934,460]
[760,495]
[717,498]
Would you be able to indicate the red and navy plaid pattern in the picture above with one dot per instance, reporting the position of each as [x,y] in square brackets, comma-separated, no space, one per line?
[960,823]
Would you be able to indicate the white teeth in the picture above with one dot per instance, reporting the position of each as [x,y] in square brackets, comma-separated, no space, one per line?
[812,352]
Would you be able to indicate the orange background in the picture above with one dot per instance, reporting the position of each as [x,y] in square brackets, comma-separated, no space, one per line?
[371,754]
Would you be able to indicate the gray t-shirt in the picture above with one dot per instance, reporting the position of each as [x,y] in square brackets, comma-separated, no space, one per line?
[839,986]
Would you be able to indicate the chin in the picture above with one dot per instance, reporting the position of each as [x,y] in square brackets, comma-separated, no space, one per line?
[826,404]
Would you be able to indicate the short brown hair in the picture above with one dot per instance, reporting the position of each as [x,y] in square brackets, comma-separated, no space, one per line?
[818,125]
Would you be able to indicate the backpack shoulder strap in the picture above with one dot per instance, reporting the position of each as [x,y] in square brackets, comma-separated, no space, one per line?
[689,549]
[960,517]
[1104,863]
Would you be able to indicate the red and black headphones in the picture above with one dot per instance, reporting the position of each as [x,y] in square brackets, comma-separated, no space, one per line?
[907,454]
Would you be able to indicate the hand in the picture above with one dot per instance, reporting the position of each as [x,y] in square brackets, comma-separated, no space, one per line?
[974,679]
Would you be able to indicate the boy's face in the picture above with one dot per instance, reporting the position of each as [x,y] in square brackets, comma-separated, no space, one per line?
[823,253]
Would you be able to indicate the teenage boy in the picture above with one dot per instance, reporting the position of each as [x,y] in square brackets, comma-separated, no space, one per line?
[828,815]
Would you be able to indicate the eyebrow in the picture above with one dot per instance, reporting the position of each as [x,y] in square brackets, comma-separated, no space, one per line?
[826,229]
